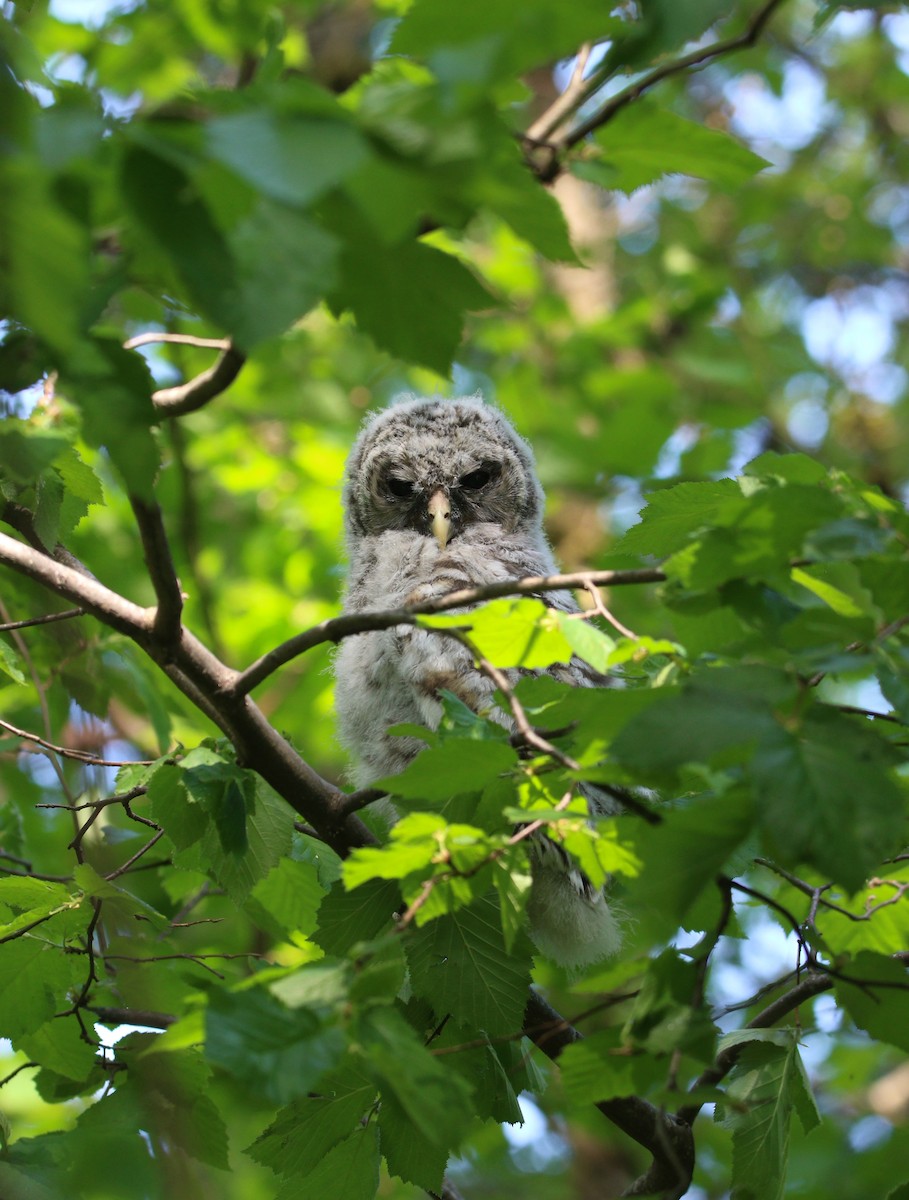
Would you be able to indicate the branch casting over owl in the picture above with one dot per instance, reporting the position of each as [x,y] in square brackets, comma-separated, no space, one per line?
[441,495]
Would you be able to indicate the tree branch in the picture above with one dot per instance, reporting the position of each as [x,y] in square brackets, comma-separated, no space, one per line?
[667,1138]
[161,570]
[812,985]
[207,682]
[336,628]
[538,136]
[195,393]
[132,1016]
[77,585]
[177,339]
[577,90]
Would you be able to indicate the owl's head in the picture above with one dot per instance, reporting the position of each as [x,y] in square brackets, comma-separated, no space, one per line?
[439,467]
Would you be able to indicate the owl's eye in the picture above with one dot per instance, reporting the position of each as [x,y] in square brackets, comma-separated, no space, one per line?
[477,479]
[402,488]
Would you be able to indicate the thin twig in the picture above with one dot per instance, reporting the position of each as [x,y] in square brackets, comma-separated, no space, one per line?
[130,862]
[780,908]
[817,899]
[121,798]
[92,976]
[198,959]
[602,611]
[23,929]
[47,619]
[336,628]
[83,756]
[867,712]
[76,844]
[26,1066]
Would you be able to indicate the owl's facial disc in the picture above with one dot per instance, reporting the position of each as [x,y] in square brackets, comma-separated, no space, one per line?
[439,510]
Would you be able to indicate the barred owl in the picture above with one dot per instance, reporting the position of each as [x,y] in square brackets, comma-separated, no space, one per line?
[439,495]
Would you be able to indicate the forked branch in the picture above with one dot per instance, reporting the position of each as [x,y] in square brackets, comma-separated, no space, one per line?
[337,628]
[553,131]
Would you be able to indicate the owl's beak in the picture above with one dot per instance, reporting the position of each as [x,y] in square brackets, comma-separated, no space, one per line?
[440,518]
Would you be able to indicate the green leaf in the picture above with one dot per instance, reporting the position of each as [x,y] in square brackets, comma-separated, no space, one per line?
[879,918]
[32,968]
[495,1073]
[350,1169]
[291,157]
[588,642]
[254,276]
[645,142]
[183,818]
[284,263]
[172,1099]
[660,26]
[436,1102]
[513,39]
[289,896]
[460,721]
[27,451]
[825,796]
[278,1051]
[269,832]
[37,900]
[164,201]
[460,965]
[410,298]
[874,995]
[512,633]
[46,277]
[599,1067]
[838,586]
[663,1019]
[766,1083]
[380,971]
[49,497]
[346,918]
[412,848]
[673,514]
[316,986]
[895,686]
[683,855]
[230,818]
[9,663]
[718,712]
[788,468]
[513,886]
[113,387]
[457,765]
[415,1160]
[303,1133]
[514,194]
[61,1046]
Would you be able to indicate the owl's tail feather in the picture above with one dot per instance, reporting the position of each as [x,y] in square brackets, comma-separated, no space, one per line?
[570,920]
